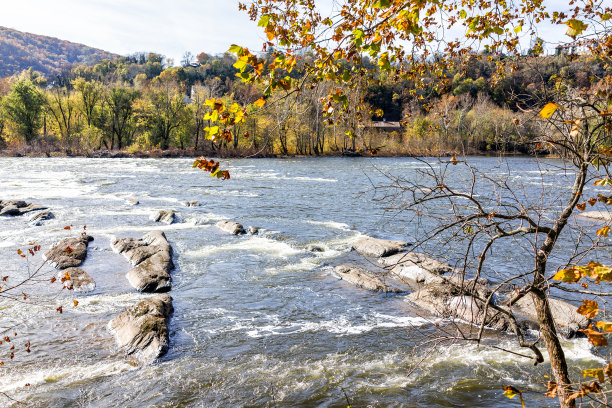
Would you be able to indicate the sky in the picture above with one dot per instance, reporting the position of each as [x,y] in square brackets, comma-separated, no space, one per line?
[169,27]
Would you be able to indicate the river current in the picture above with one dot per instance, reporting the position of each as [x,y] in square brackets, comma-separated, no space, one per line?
[260,320]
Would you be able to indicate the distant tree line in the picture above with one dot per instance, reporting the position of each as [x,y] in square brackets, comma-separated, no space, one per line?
[140,103]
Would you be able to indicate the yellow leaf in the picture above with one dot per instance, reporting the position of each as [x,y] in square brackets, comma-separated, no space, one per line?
[510,391]
[571,275]
[260,102]
[604,231]
[76,302]
[604,326]
[548,110]
[589,309]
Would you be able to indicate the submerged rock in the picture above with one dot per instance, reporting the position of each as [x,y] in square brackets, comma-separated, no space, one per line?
[366,280]
[132,201]
[164,216]
[231,227]
[252,230]
[152,257]
[142,330]
[18,207]
[79,281]
[598,215]
[315,248]
[376,248]
[38,218]
[69,252]
[191,204]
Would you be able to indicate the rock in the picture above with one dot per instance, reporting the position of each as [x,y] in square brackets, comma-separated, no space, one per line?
[567,319]
[18,207]
[449,302]
[364,279]
[38,218]
[231,227]
[377,248]
[79,281]
[142,330]
[164,216]
[191,204]
[252,230]
[598,215]
[408,259]
[152,257]
[132,201]
[68,252]
[315,248]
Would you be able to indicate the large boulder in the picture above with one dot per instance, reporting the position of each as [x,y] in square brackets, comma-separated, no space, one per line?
[69,252]
[18,207]
[567,320]
[79,280]
[366,280]
[450,302]
[422,261]
[598,215]
[231,227]
[376,248]
[151,256]
[164,216]
[142,330]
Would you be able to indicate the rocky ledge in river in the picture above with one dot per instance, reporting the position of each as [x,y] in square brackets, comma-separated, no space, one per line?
[69,252]
[38,218]
[231,227]
[18,207]
[79,280]
[142,330]
[151,256]
[598,215]
[441,291]
[376,248]
[164,216]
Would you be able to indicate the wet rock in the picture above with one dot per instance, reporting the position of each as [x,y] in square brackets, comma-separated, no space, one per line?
[69,252]
[598,215]
[132,201]
[142,330]
[449,302]
[152,257]
[315,248]
[231,227]
[191,204]
[80,281]
[18,207]
[38,218]
[366,280]
[413,259]
[377,248]
[252,230]
[567,319]
[164,216]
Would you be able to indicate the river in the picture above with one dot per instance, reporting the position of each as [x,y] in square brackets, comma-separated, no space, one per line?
[259,321]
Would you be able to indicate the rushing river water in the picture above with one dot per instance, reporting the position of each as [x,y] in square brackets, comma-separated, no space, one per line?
[259,321]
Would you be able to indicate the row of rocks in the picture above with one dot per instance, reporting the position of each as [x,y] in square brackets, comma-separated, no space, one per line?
[441,291]
[18,207]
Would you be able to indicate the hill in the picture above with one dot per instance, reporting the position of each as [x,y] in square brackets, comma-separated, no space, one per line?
[19,51]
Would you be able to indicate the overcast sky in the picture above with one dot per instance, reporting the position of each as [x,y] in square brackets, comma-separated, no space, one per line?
[169,27]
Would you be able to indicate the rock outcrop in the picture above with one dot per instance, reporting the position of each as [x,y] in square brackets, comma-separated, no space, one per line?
[365,279]
[142,330]
[598,215]
[38,218]
[69,252]
[231,227]
[18,207]
[164,216]
[151,256]
[79,281]
[411,259]
[376,248]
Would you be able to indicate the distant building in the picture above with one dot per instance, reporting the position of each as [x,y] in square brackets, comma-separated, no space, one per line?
[575,48]
[384,126]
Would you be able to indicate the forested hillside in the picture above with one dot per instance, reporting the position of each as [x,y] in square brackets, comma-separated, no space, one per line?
[19,51]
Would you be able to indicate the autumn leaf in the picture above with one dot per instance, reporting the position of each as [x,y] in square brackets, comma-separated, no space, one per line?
[260,102]
[511,392]
[595,337]
[548,110]
[571,275]
[69,250]
[581,206]
[59,309]
[589,309]
[67,227]
[576,27]
[603,232]
[604,326]
[453,161]
[76,303]
[595,373]
[551,389]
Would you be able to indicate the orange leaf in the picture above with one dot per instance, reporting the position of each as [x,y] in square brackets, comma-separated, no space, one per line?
[595,337]
[76,303]
[589,309]
[581,206]
[260,102]
[604,231]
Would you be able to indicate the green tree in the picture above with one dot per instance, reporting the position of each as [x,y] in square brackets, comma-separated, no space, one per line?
[120,105]
[24,106]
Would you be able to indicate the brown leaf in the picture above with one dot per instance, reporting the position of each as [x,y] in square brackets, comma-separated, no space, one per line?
[551,390]
[595,337]
[589,309]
